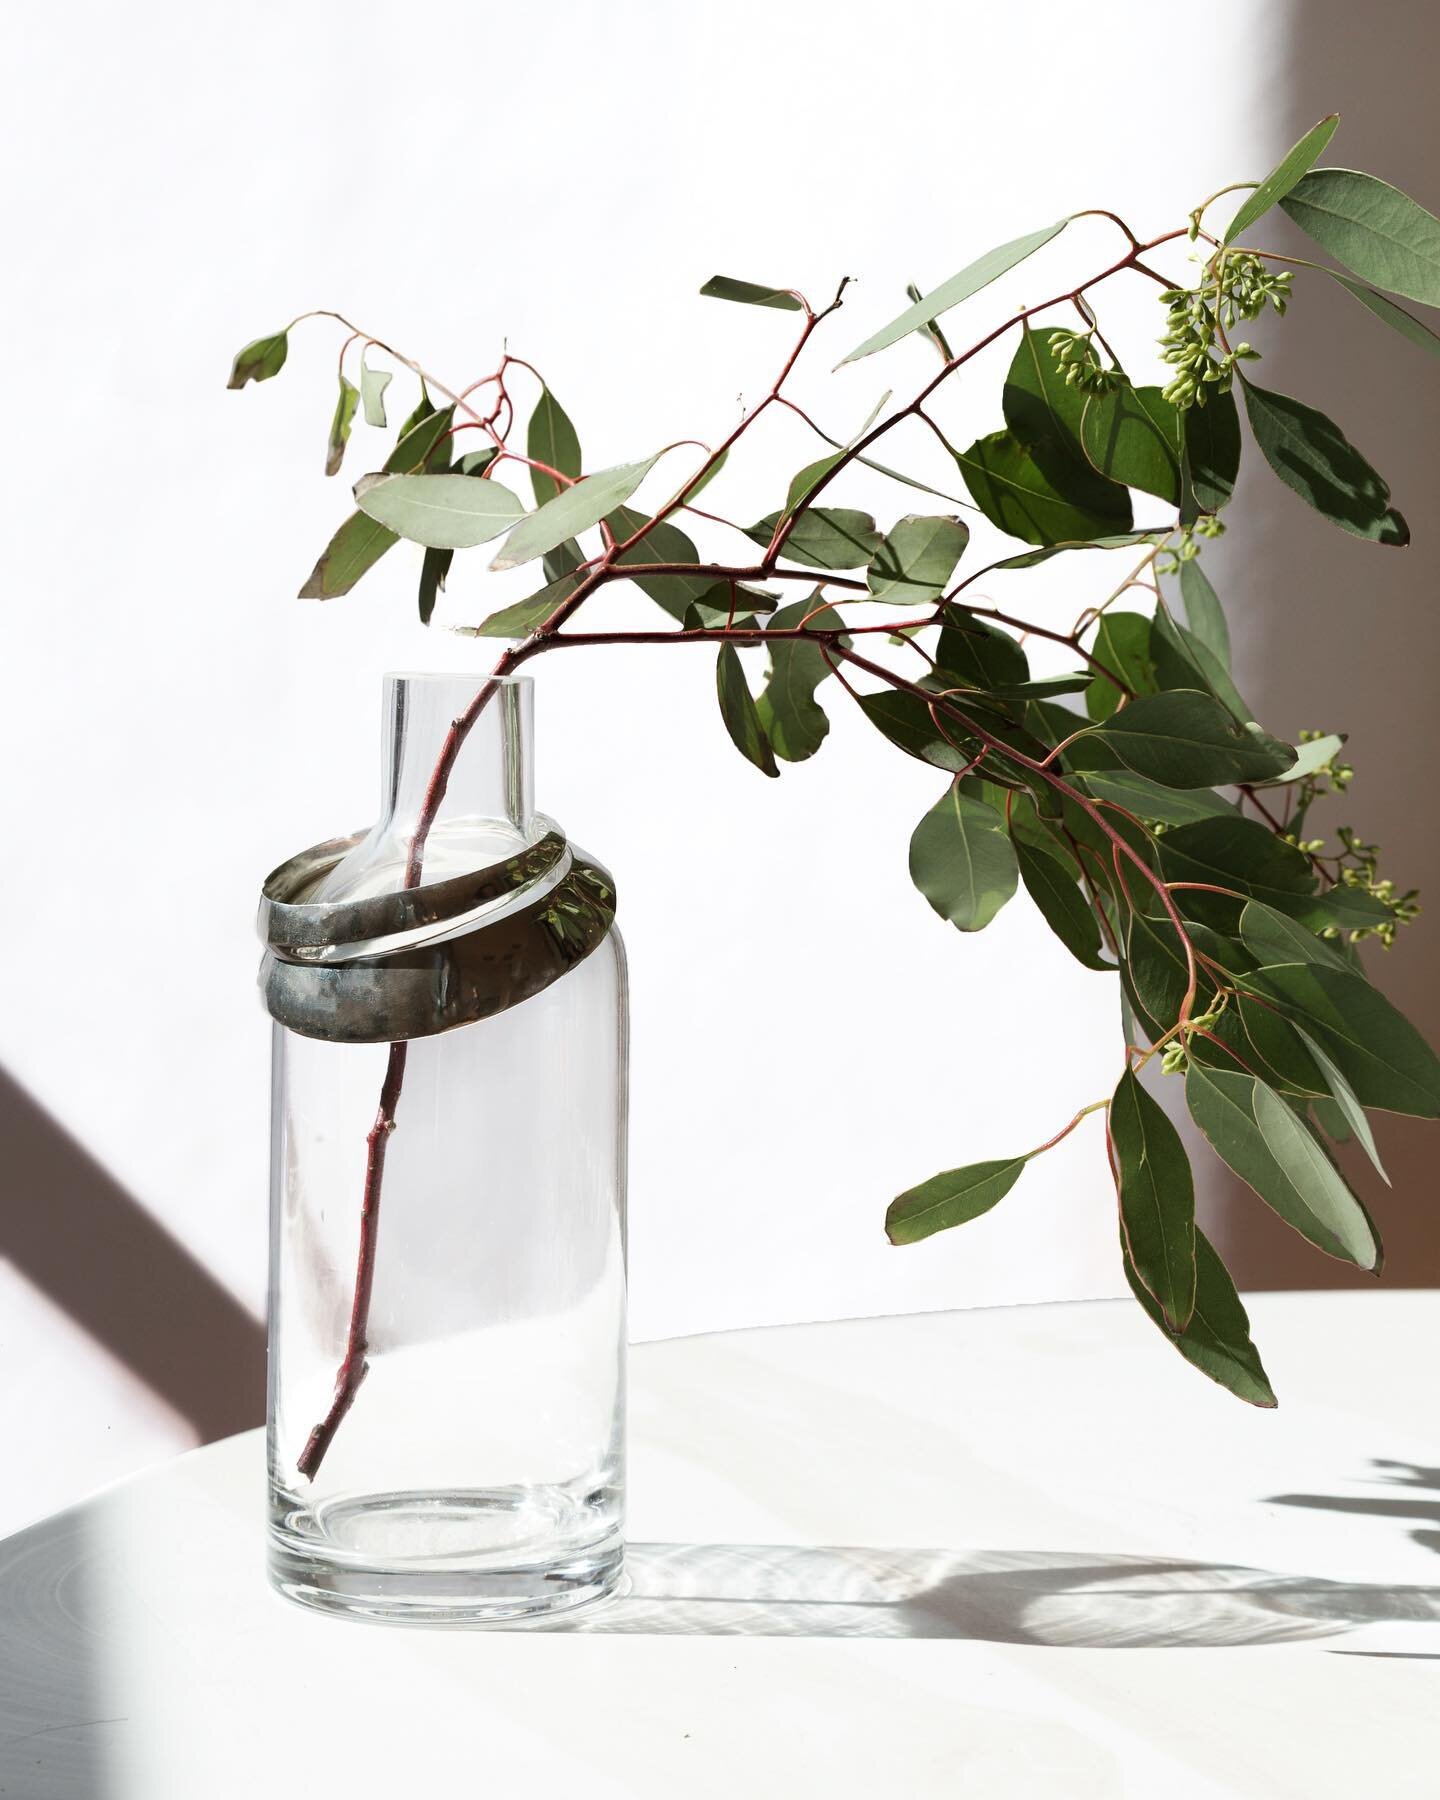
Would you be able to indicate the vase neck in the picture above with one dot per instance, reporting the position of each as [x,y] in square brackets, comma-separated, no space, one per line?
[489,781]
[485,812]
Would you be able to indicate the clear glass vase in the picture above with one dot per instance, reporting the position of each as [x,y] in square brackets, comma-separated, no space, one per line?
[447,1285]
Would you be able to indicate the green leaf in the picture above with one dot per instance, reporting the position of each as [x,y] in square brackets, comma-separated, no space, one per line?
[1314,457]
[701,481]
[970,280]
[1157,1200]
[434,567]
[1148,800]
[1217,1339]
[917,558]
[1379,1052]
[1186,739]
[1029,559]
[1352,1114]
[260,360]
[962,860]
[1308,758]
[1274,937]
[1212,456]
[790,717]
[1061,904]
[360,542]
[1044,414]
[662,543]
[953,1198]
[1203,613]
[568,514]
[1122,643]
[908,723]
[974,653]
[1394,316]
[749,293]
[340,425]
[1233,852]
[356,547]
[443,512]
[525,616]
[1379,233]
[373,383]
[738,710]
[1010,489]
[1270,1148]
[1282,178]
[809,478]
[824,537]
[1135,436]
[550,438]
[1182,661]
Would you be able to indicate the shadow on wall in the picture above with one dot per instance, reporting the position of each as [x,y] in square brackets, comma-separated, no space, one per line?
[78,1236]
[1339,635]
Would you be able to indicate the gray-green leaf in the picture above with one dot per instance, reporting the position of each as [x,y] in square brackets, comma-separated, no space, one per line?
[340,425]
[1371,227]
[790,716]
[962,860]
[824,537]
[1282,178]
[260,360]
[525,616]
[738,710]
[443,512]
[1217,1339]
[1313,456]
[1270,1148]
[550,438]
[1157,1199]
[917,558]
[1061,904]
[970,280]
[1203,612]
[953,1198]
[373,383]
[576,510]
[749,293]
[1185,739]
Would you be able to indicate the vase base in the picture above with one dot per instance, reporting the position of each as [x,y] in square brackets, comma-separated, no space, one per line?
[471,1558]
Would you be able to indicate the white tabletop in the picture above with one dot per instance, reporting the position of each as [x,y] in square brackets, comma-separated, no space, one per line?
[1014,1553]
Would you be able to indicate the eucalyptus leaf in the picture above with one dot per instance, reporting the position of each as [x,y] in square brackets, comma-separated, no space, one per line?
[1211,462]
[1394,316]
[1122,644]
[790,715]
[1182,661]
[373,383]
[1313,456]
[1157,1199]
[434,567]
[1185,739]
[1379,1052]
[1061,904]
[823,537]
[970,280]
[962,860]
[972,652]
[578,509]
[738,710]
[917,559]
[909,724]
[804,483]
[1203,612]
[341,422]
[443,512]
[1136,437]
[1029,559]
[1270,1148]
[1274,937]
[525,616]
[1380,234]
[550,439]
[1239,854]
[1308,758]
[953,1198]
[662,543]
[749,293]
[1148,800]
[1217,1339]
[1351,1111]
[260,361]
[1282,178]
[1011,490]
[1045,414]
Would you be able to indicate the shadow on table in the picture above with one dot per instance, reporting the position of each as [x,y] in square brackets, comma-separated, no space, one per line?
[1005,1597]
[1418,1498]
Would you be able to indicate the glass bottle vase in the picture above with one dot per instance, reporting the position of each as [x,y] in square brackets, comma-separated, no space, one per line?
[447,1278]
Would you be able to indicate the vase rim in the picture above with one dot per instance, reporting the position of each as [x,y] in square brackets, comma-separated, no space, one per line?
[472,679]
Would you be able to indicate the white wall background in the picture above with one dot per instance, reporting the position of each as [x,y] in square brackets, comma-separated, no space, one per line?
[808,1036]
